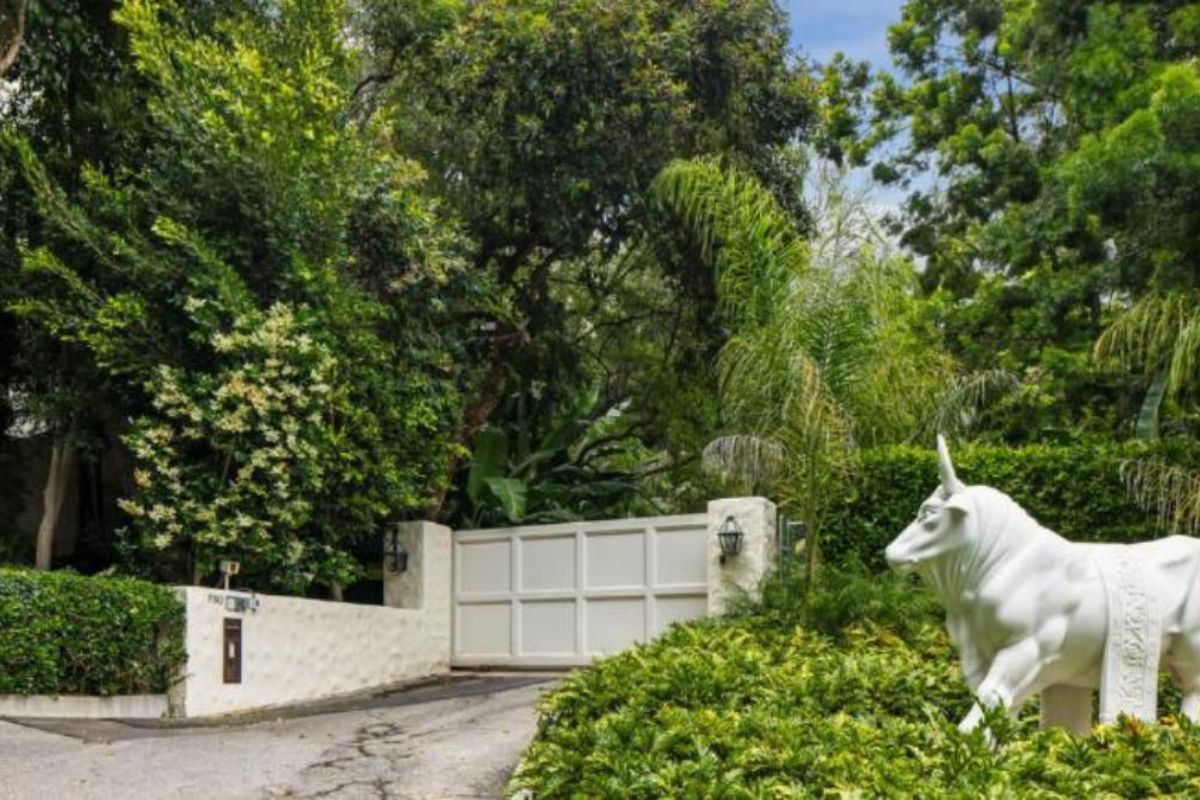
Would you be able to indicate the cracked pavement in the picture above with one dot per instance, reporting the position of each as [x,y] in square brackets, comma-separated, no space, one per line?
[457,739]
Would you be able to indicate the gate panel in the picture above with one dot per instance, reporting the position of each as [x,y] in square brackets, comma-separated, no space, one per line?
[559,595]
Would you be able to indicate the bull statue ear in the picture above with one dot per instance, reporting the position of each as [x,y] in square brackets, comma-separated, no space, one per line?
[959,502]
[951,485]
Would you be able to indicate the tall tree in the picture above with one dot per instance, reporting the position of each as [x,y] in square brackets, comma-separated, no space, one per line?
[265,290]
[543,124]
[822,357]
[68,87]
[1054,192]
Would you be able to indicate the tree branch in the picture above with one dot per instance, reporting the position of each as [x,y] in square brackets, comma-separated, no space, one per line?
[379,77]
[586,454]
[12,31]
[373,78]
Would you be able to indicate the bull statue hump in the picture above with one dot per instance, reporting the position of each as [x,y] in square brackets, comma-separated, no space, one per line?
[1031,613]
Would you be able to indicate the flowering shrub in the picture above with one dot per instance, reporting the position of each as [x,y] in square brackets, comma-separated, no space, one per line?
[271,298]
[232,460]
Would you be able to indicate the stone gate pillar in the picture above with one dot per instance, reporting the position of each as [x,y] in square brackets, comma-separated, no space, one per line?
[740,575]
[425,583]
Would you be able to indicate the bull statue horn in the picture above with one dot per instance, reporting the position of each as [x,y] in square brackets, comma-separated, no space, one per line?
[950,482]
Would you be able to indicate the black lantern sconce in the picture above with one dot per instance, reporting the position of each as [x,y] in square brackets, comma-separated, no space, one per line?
[395,557]
[729,535]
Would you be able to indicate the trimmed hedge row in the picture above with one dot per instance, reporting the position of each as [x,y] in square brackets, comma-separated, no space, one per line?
[1076,491]
[62,633]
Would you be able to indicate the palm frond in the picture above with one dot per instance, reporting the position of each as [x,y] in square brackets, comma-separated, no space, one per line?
[1170,492]
[815,358]
[817,430]
[845,222]
[742,232]
[1158,331]
[1184,372]
[756,460]
[967,395]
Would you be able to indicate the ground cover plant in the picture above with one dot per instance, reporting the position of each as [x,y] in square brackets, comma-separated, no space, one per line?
[824,698]
[62,633]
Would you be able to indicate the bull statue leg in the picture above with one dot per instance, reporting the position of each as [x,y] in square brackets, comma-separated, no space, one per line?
[1011,680]
[1184,665]
[1183,652]
[1190,707]
[1067,707]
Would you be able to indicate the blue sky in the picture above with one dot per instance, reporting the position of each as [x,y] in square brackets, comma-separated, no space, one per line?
[857,27]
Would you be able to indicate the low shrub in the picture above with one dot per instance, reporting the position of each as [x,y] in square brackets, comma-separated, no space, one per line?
[62,633]
[846,598]
[745,707]
[1076,491]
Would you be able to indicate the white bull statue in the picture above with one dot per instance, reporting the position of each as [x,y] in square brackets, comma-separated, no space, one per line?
[1030,612]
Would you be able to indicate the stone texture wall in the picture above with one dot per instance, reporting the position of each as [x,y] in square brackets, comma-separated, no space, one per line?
[741,574]
[295,650]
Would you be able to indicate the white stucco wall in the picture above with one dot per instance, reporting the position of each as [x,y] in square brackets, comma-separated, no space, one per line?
[741,574]
[295,649]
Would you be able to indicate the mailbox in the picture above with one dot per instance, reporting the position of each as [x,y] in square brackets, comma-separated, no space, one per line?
[231,652]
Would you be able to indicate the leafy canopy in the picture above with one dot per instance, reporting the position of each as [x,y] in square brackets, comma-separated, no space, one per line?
[1062,140]
[267,292]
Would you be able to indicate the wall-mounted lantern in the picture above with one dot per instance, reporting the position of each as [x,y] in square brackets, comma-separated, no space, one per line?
[729,535]
[395,558]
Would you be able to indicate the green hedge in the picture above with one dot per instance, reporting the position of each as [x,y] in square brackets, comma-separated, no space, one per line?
[1076,491]
[751,707]
[61,633]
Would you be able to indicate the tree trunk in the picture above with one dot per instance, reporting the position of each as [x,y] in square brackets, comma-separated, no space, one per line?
[488,398]
[58,476]
[12,31]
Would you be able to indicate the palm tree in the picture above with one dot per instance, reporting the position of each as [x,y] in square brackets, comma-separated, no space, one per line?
[821,357]
[1159,335]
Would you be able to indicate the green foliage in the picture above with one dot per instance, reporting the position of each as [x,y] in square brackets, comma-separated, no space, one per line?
[1160,336]
[1077,491]
[587,464]
[542,124]
[61,633]
[1064,138]
[546,120]
[757,706]
[844,597]
[267,295]
[819,358]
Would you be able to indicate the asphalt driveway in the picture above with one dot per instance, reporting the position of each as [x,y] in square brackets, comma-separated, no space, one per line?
[459,738]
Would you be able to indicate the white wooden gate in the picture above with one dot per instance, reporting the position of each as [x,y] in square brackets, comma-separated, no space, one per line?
[557,595]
